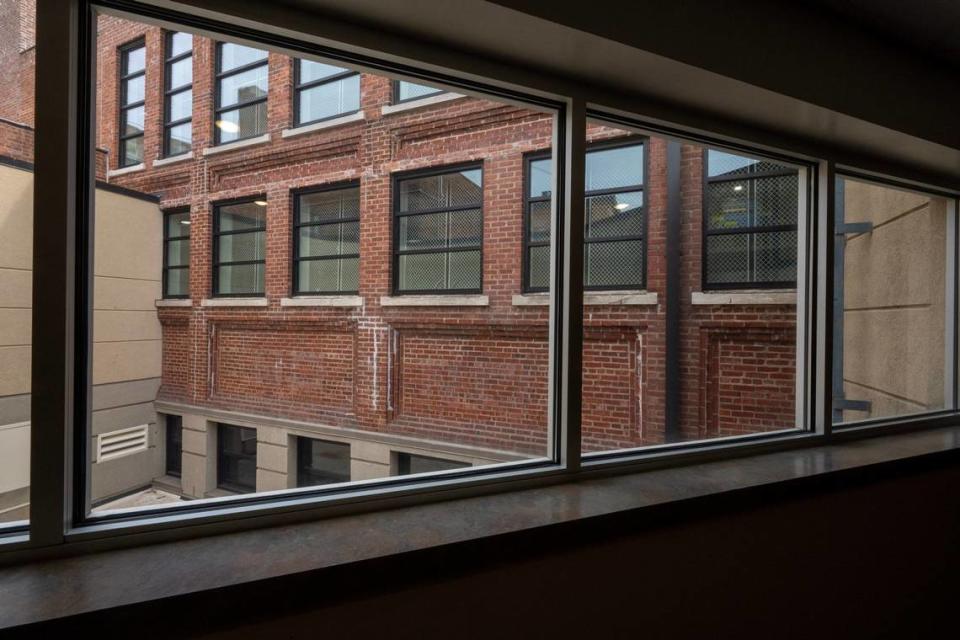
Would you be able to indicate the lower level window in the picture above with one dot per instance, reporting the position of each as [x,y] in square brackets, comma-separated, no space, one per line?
[174,445]
[408,463]
[236,458]
[322,462]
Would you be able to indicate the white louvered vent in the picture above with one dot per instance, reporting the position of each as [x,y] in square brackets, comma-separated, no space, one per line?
[124,442]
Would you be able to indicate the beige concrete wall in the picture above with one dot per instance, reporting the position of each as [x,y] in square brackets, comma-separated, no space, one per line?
[894,297]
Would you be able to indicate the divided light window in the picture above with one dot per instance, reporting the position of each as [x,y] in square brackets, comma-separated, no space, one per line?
[177,93]
[323,91]
[615,218]
[404,91]
[438,231]
[321,462]
[410,463]
[176,254]
[241,96]
[236,458]
[749,222]
[132,100]
[239,248]
[327,240]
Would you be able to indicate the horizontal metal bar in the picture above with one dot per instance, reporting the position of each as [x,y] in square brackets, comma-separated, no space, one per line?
[427,212]
[416,252]
[780,228]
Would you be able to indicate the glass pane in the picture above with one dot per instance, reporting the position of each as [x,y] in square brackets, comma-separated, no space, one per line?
[133,119]
[448,190]
[178,253]
[410,91]
[541,178]
[132,151]
[728,205]
[245,122]
[320,462]
[776,256]
[178,224]
[615,168]
[179,139]
[539,230]
[237,55]
[728,258]
[890,353]
[614,264]
[423,272]
[181,105]
[179,42]
[237,458]
[178,282]
[776,200]
[311,71]
[723,164]
[326,206]
[134,60]
[238,247]
[465,270]
[240,279]
[409,463]
[441,230]
[134,90]
[242,217]
[330,99]
[180,73]
[330,239]
[611,216]
[244,86]
[539,267]
[174,442]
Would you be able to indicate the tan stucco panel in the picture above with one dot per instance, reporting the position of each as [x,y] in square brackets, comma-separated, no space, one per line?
[14,370]
[117,361]
[127,295]
[125,325]
[16,288]
[128,237]
[14,327]
[16,218]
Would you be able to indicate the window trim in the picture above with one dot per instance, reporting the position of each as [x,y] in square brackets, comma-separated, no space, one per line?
[215,237]
[395,92]
[296,225]
[300,87]
[426,172]
[166,254]
[123,78]
[167,125]
[219,76]
[705,231]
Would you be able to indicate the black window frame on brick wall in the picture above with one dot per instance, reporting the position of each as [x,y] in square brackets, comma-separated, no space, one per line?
[752,230]
[395,92]
[528,201]
[299,87]
[167,239]
[297,225]
[169,93]
[124,77]
[217,234]
[220,76]
[427,172]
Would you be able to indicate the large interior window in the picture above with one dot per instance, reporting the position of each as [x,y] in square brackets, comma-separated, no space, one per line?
[242,83]
[239,248]
[322,462]
[132,101]
[178,93]
[236,458]
[327,240]
[323,91]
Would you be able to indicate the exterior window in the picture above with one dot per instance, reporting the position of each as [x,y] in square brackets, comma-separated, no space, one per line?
[176,254]
[322,91]
[174,445]
[236,458]
[177,93]
[409,463]
[404,91]
[322,462]
[749,223]
[132,100]
[242,82]
[615,219]
[327,241]
[239,248]
[438,232]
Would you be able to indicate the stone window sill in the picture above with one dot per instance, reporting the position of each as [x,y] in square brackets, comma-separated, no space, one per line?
[745,297]
[113,173]
[322,126]
[163,162]
[239,144]
[234,302]
[322,301]
[611,298]
[174,302]
[435,301]
[429,101]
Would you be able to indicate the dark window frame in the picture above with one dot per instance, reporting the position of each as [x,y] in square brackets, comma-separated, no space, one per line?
[296,225]
[601,145]
[219,76]
[300,87]
[168,93]
[217,233]
[167,239]
[173,465]
[123,78]
[395,92]
[706,232]
[306,470]
[426,172]
[222,455]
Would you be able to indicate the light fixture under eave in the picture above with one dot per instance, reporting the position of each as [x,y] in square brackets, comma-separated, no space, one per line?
[620,206]
[738,187]
[260,203]
[184,222]
[226,125]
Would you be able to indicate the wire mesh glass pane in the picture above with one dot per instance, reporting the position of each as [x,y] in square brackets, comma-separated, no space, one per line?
[330,239]
[233,56]
[539,267]
[423,272]
[326,206]
[539,230]
[728,258]
[615,168]
[776,200]
[722,164]
[776,256]
[238,247]
[465,270]
[179,139]
[178,224]
[330,99]
[616,215]
[244,86]
[240,279]
[423,232]
[243,216]
[613,264]
[245,122]
[727,205]
[465,228]
[450,190]
[321,276]
[410,90]
[178,253]
[540,178]
[178,282]
[349,274]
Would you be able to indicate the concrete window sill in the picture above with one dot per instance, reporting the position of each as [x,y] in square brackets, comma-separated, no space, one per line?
[435,301]
[113,173]
[174,302]
[429,101]
[322,301]
[234,302]
[322,126]
[239,144]
[163,162]
[593,298]
[778,296]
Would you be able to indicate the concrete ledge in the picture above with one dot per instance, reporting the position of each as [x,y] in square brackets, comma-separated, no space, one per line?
[321,126]
[162,162]
[779,296]
[122,172]
[322,301]
[239,144]
[234,302]
[419,104]
[174,302]
[435,301]
[625,298]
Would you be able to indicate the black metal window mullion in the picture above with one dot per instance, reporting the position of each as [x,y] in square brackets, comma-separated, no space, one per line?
[218,234]
[219,77]
[299,87]
[125,77]
[169,93]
